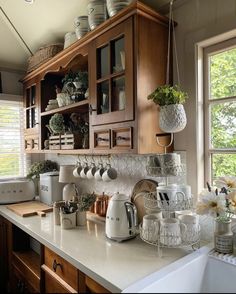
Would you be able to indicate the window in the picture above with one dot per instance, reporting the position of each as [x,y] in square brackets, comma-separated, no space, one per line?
[12,157]
[220,109]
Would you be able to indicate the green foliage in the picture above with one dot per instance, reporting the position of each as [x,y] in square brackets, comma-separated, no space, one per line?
[40,167]
[79,76]
[166,95]
[56,123]
[86,201]
[82,77]
[223,115]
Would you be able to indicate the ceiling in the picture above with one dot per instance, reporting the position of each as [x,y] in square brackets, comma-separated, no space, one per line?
[41,23]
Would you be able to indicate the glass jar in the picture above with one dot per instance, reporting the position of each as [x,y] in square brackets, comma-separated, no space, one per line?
[223,237]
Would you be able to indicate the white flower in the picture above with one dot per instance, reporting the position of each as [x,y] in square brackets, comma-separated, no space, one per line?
[210,203]
[232,201]
[227,182]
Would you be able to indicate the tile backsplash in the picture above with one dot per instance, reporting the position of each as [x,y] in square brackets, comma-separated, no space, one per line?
[130,169]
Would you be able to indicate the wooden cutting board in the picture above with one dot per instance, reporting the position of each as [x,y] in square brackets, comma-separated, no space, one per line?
[30,208]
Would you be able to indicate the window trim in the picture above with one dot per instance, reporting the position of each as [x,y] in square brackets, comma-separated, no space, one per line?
[207,52]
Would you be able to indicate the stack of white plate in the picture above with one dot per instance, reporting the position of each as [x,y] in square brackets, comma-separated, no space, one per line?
[52,104]
[81,26]
[97,13]
[114,6]
[70,38]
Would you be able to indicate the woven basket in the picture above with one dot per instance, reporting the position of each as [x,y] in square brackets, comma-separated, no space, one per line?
[42,55]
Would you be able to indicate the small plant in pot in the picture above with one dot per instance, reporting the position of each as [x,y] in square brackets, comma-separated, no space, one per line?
[172,117]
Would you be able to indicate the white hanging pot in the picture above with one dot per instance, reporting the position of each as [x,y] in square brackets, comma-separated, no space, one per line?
[172,118]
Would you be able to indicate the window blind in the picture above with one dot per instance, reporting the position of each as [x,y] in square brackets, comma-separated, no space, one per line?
[13,160]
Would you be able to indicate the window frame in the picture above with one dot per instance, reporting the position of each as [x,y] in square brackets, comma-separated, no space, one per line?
[208,151]
[24,158]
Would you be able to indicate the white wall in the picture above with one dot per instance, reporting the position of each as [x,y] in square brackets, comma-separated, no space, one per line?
[10,82]
[197,20]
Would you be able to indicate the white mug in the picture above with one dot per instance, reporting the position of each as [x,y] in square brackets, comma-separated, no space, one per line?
[170,231]
[192,224]
[169,198]
[77,171]
[109,174]
[83,173]
[98,174]
[91,172]
[150,227]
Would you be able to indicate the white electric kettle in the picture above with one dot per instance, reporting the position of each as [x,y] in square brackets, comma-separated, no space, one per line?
[121,218]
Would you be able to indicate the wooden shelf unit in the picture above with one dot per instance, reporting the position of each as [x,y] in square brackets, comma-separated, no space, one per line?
[118,89]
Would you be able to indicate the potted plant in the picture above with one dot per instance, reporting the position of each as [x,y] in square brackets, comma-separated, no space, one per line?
[172,117]
[56,123]
[85,201]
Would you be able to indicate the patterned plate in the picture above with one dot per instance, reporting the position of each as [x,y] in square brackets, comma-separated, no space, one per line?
[140,188]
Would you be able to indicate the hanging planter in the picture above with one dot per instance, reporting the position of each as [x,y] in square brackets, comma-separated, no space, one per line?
[172,117]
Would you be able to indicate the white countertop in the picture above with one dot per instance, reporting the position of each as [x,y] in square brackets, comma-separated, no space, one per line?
[114,265]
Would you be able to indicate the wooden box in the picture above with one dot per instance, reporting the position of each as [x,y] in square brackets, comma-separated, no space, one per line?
[65,142]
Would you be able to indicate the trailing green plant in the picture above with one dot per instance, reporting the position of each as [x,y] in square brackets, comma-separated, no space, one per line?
[166,95]
[86,201]
[40,167]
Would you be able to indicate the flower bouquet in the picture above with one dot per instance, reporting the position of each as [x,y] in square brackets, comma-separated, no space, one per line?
[220,203]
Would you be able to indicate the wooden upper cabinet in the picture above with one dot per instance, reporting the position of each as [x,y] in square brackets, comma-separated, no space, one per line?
[126,59]
[111,75]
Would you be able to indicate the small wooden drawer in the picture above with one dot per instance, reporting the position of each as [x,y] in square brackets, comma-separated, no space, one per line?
[20,284]
[122,138]
[93,287]
[102,139]
[61,268]
[56,285]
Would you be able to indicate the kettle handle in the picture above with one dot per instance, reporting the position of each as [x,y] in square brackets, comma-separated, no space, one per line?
[131,213]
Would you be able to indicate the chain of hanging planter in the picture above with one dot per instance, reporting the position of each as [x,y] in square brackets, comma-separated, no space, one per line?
[172,117]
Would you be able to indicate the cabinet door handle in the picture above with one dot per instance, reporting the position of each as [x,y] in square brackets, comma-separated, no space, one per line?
[55,265]
[99,139]
[91,109]
[120,138]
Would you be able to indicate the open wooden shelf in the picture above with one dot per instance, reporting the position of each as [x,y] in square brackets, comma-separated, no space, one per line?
[67,108]
[29,259]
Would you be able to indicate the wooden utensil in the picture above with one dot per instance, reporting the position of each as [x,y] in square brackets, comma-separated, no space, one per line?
[30,208]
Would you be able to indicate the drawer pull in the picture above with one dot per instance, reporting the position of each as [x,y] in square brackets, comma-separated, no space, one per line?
[99,139]
[55,265]
[119,138]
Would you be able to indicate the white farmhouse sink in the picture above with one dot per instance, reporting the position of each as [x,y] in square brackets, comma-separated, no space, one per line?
[194,273]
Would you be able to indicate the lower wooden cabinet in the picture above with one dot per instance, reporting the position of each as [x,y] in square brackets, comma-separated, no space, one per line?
[23,270]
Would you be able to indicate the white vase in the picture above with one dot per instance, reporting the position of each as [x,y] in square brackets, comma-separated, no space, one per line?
[172,118]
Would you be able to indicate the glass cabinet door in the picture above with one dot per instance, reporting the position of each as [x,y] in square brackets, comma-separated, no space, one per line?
[31,116]
[112,78]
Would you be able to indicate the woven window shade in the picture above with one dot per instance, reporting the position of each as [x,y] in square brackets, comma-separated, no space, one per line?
[13,161]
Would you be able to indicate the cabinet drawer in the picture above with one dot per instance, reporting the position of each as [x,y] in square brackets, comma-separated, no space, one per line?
[102,139]
[94,287]
[122,138]
[20,284]
[30,272]
[53,285]
[61,268]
